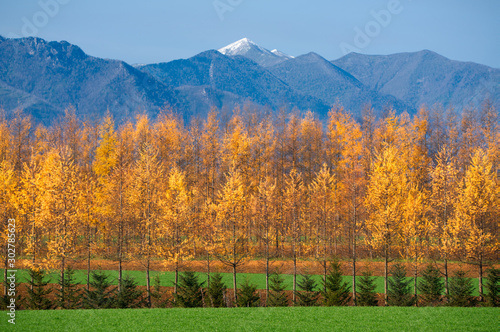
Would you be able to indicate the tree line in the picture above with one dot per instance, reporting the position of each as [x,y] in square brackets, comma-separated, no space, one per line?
[192,293]
[254,185]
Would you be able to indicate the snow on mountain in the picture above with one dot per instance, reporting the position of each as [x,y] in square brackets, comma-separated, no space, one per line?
[281,54]
[247,48]
[239,47]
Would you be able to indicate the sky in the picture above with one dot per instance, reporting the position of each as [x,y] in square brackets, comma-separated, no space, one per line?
[152,31]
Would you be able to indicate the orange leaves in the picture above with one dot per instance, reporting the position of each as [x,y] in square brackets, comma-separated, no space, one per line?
[476,217]
[106,151]
[386,197]
[169,137]
[236,145]
[239,186]
[59,201]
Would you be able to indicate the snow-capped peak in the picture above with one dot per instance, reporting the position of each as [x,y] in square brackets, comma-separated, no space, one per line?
[238,47]
[247,48]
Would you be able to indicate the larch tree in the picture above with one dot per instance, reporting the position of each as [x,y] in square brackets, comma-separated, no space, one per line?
[414,227]
[385,200]
[105,161]
[323,203]
[265,203]
[27,203]
[119,181]
[293,199]
[231,229]
[346,139]
[144,197]
[174,229]
[210,160]
[442,200]
[88,187]
[59,206]
[477,212]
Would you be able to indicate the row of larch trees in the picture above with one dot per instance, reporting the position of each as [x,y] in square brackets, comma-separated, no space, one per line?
[255,185]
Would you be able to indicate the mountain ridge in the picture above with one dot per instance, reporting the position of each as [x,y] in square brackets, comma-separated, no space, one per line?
[425,77]
[45,77]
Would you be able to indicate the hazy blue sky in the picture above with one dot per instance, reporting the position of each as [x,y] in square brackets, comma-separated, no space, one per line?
[154,31]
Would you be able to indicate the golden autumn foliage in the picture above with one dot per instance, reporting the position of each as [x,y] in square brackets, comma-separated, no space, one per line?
[254,185]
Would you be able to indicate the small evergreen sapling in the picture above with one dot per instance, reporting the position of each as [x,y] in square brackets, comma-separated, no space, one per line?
[307,296]
[101,295]
[461,290]
[156,293]
[247,295]
[216,292]
[129,296]
[431,286]
[399,290]
[337,292]
[492,286]
[277,295]
[71,298]
[189,291]
[366,295]
[38,291]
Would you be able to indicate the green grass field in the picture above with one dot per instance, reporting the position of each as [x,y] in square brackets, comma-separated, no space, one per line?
[167,278]
[261,319]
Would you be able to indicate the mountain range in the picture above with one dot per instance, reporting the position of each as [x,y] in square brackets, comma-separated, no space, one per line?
[44,78]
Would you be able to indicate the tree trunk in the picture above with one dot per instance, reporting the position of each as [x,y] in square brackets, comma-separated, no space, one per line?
[415,275]
[354,222]
[385,274]
[148,283]
[267,274]
[354,266]
[208,269]
[294,275]
[176,277]
[267,259]
[234,285]
[447,291]
[88,258]
[324,276]
[120,272]
[120,241]
[481,279]
[62,280]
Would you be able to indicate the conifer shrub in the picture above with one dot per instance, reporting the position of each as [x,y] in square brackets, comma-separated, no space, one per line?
[157,294]
[216,292]
[460,289]
[399,289]
[38,291]
[335,292]
[189,291]
[431,286]
[277,294]
[365,292]
[492,286]
[247,295]
[69,296]
[101,294]
[129,296]
[307,296]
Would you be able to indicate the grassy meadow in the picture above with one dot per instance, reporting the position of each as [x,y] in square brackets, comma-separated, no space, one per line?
[262,319]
